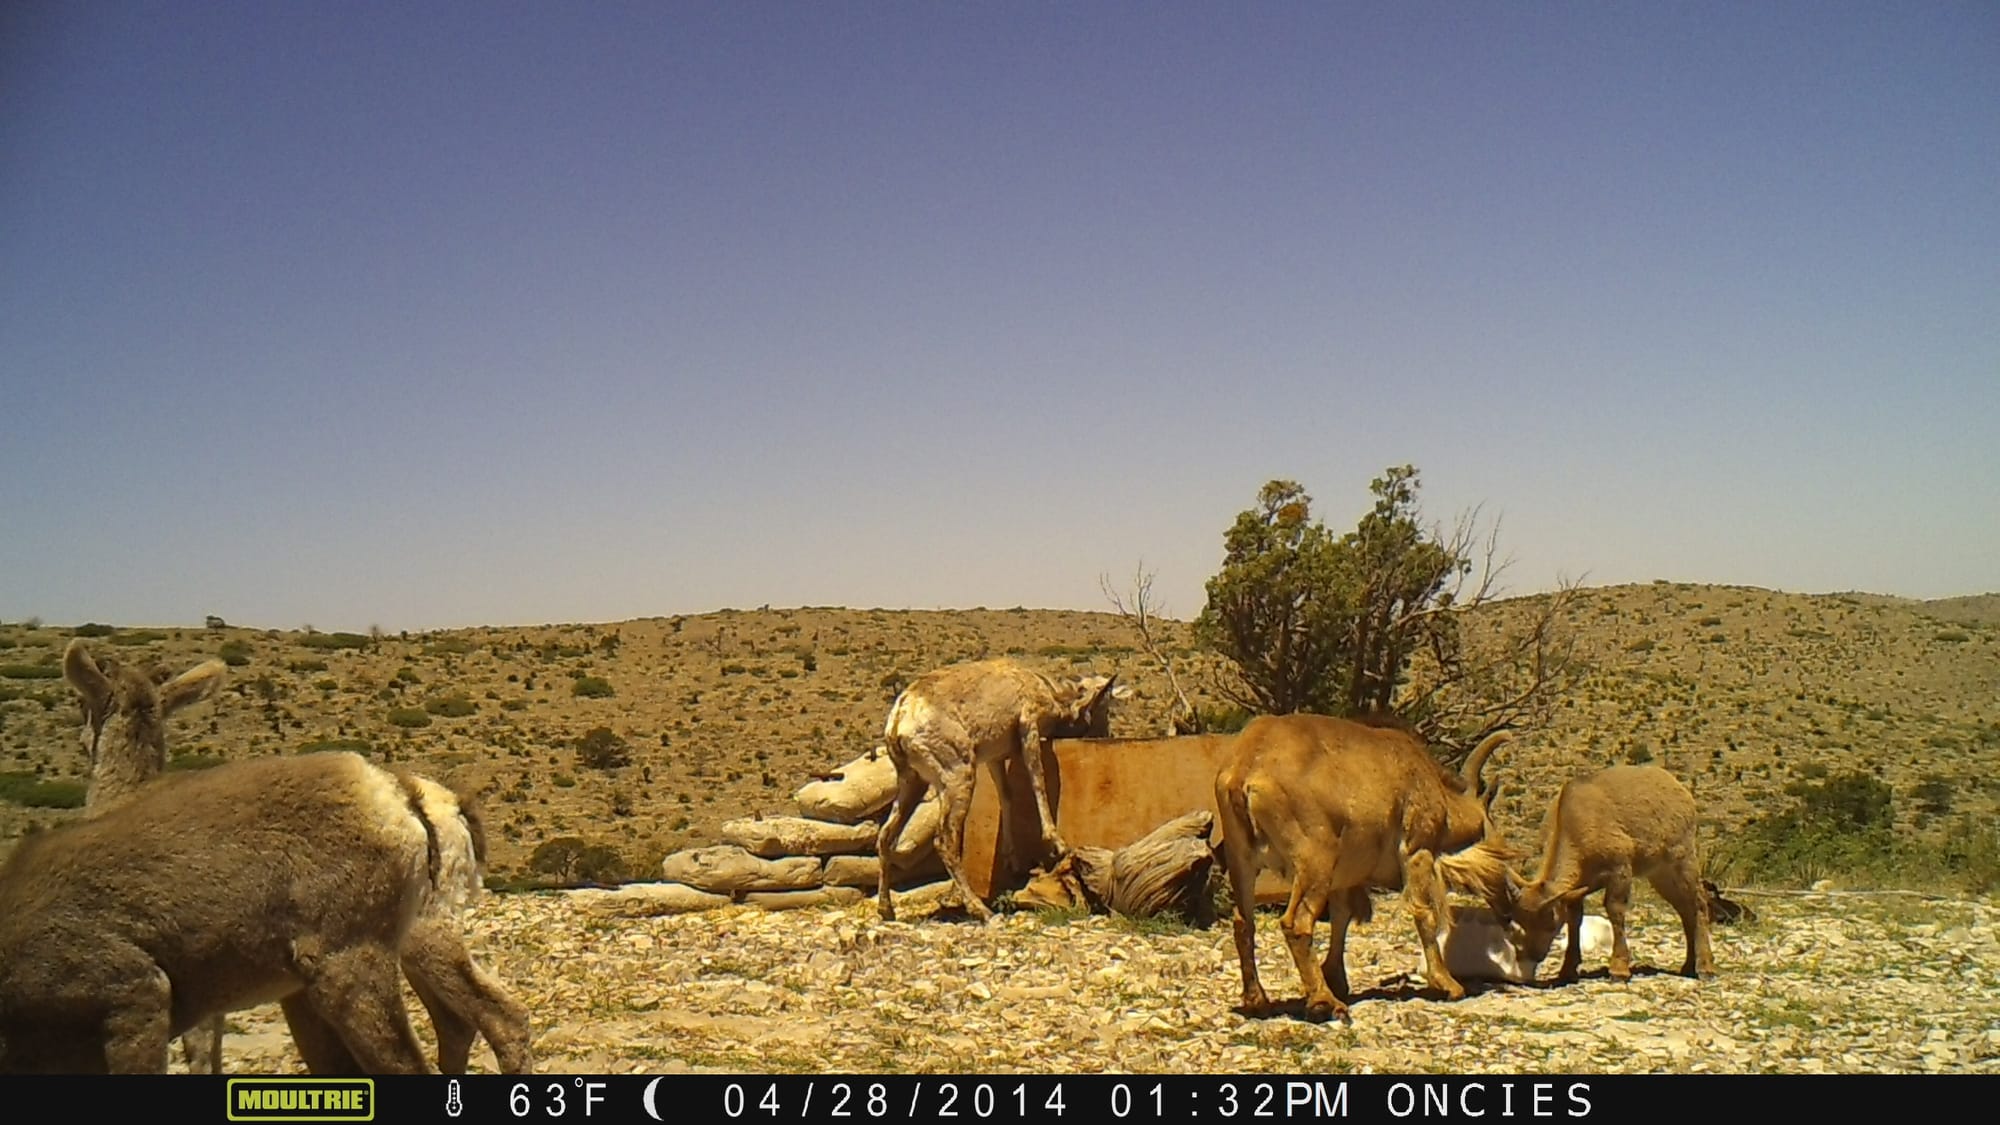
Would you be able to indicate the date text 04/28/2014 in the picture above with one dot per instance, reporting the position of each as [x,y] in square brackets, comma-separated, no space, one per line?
[911,1098]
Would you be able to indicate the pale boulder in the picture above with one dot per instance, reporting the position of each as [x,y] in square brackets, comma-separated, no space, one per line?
[776,836]
[646,900]
[859,790]
[797,900]
[728,869]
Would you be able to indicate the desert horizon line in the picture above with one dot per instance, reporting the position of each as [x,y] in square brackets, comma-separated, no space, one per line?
[387,631]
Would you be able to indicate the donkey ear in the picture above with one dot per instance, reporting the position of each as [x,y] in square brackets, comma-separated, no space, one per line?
[1085,691]
[191,686]
[88,680]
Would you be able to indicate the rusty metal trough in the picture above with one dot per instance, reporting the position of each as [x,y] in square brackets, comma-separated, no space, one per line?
[1105,793]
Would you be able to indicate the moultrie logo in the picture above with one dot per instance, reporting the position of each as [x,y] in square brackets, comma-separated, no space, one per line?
[301,1099]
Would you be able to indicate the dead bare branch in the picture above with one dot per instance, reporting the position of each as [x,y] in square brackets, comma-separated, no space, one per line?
[1141,613]
[1511,678]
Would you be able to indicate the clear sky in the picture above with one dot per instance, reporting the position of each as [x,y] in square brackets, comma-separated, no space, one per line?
[425,315]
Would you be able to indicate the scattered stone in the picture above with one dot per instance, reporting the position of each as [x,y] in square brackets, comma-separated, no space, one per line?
[728,868]
[794,900]
[861,789]
[644,900]
[774,837]
[837,990]
[865,871]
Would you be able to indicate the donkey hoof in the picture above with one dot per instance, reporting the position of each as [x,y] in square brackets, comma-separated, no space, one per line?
[1320,1011]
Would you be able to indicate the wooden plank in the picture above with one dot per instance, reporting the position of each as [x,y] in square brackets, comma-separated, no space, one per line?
[1105,793]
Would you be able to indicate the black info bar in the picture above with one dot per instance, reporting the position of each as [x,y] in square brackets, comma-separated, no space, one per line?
[1092,1098]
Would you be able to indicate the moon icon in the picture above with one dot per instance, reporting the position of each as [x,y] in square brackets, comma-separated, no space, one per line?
[648,1099]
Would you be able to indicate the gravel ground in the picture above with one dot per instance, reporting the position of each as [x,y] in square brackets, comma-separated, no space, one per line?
[1820,983]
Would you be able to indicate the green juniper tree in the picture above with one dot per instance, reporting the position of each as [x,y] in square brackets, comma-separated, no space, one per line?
[1376,620]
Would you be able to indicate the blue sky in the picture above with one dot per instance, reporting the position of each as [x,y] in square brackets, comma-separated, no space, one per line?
[431,315]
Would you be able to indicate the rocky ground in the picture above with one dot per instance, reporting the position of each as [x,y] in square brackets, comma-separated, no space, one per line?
[1820,983]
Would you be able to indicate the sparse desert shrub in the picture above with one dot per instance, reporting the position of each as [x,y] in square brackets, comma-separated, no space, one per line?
[235,653]
[570,860]
[1934,795]
[601,863]
[514,705]
[1223,719]
[92,629]
[194,761]
[304,666]
[451,706]
[602,748]
[1971,853]
[557,857]
[334,745]
[334,640]
[31,671]
[1843,823]
[30,791]
[411,717]
[1850,802]
[592,687]
[142,637]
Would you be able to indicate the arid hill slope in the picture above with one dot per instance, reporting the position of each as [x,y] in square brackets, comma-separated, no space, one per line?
[1738,690]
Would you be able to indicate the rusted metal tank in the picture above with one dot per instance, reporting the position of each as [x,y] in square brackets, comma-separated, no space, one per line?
[1105,793]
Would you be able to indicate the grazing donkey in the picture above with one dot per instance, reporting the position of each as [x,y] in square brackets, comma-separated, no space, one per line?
[294,879]
[1342,807]
[140,701]
[1602,832]
[463,1000]
[980,713]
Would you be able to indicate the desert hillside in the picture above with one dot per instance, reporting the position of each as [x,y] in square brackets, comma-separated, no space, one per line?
[704,718]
